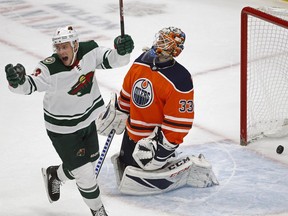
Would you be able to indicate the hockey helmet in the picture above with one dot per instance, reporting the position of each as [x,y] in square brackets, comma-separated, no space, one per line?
[169,41]
[65,34]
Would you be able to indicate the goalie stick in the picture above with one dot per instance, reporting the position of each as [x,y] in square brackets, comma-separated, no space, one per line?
[104,152]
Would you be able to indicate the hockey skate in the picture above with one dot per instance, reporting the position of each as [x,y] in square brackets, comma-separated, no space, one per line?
[52,183]
[99,212]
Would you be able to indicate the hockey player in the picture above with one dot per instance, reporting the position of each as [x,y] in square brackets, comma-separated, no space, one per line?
[72,102]
[157,96]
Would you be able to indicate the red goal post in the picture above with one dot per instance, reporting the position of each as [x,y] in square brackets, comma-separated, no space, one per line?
[264,73]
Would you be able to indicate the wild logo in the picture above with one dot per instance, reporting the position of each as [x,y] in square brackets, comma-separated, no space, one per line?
[83,86]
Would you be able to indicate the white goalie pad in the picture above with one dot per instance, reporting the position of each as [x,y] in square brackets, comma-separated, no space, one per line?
[201,173]
[184,171]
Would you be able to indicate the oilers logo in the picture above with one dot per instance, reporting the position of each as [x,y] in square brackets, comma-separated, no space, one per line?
[142,93]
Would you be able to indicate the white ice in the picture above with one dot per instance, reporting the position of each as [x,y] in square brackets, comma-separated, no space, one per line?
[253,179]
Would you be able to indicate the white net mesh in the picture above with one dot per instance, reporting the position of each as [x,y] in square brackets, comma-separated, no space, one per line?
[267,76]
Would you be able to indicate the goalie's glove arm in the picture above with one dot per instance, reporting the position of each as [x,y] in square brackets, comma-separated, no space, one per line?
[155,151]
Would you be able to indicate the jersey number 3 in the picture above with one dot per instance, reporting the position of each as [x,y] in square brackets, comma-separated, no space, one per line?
[186,106]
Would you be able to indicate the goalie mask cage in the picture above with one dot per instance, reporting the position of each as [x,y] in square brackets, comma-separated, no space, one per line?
[264,73]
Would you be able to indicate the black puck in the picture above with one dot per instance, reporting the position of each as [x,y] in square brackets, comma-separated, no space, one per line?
[280,149]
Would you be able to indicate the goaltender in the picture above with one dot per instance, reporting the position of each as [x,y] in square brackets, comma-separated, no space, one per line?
[156,109]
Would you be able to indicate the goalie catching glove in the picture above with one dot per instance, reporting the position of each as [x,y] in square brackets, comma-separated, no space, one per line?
[111,118]
[154,152]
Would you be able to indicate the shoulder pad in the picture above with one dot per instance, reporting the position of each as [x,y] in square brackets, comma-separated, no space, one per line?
[179,76]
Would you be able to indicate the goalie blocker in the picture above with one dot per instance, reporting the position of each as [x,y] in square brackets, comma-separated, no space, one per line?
[111,118]
[186,171]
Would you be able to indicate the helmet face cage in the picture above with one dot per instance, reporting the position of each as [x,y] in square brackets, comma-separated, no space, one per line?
[63,35]
[169,42]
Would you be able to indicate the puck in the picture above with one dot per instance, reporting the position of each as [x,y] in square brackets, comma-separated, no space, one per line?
[280,149]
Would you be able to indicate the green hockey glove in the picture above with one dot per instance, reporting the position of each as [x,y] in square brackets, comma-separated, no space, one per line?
[124,45]
[15,75]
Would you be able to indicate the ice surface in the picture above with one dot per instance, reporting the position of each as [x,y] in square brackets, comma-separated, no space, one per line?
[253,179]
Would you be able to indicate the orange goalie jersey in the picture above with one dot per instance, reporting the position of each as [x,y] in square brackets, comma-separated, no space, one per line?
[161,97]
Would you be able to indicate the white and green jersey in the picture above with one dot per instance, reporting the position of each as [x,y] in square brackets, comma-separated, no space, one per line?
[72,98]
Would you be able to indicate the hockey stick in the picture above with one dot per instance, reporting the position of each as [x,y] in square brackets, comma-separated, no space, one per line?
[112,132]
[104,152]
[121,17]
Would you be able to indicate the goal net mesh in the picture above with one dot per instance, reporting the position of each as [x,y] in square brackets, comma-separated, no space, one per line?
[267,76]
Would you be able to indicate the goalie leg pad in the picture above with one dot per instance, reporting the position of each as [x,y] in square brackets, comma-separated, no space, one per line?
[118,168]
[201,173]
[136,181]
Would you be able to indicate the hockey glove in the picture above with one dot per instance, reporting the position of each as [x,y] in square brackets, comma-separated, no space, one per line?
[111,118]
[124,45]
[15,75]
[154,152]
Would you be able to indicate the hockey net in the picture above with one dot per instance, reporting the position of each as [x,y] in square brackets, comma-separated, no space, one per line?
[264,73]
